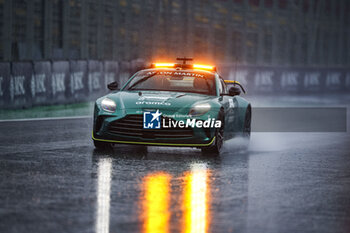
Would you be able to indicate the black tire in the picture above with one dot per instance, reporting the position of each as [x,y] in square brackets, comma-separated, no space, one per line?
[142,149]
[216,147]
[246,129]
[247,123]
[102,145]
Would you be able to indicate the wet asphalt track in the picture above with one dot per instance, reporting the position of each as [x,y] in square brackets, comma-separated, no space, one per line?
[52,180]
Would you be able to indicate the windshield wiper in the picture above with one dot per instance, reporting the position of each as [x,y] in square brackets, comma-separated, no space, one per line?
[142,80]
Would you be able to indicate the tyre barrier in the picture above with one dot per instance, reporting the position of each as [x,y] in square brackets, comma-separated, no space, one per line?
[27,84]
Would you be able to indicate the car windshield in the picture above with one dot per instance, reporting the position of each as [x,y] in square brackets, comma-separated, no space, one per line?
[177,81]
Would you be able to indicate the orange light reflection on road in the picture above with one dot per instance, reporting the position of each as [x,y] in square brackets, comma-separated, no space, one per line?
[156,203]
[196,200]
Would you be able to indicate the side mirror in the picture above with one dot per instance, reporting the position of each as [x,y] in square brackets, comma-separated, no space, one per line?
[113,86]
[234,91]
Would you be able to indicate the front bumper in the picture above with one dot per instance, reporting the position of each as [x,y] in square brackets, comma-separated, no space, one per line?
[155,142]
[103,131]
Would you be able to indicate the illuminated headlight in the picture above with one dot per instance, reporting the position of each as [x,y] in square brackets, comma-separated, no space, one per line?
[108,105]
[199,109]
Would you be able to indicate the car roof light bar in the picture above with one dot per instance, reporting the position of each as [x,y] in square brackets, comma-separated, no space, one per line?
[204,67]
[159,65]
[184,65]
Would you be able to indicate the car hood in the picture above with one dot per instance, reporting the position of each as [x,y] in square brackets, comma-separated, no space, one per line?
[162,100]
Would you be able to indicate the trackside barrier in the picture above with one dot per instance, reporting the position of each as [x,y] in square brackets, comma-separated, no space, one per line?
[78,80]
[95,78]
[289,80]
[60,82]
[27,84]
[20,84]
[40,83]
[5,76]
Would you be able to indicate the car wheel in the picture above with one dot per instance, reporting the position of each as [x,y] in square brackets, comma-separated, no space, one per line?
[215,149]
[247,124]
[246,130]
[102,145]
[142,149]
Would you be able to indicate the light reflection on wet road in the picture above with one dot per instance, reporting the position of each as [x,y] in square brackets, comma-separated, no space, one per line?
[156,202]
[188,190]
[52,180]
[103,194]
[196,199]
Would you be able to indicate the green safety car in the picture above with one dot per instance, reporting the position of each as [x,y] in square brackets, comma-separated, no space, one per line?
[172,104]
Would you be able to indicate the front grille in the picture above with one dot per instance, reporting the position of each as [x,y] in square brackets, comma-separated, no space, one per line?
[132,125]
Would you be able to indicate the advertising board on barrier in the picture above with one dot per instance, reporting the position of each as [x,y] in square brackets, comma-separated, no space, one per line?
[95,83]
[78,80]
[26,84]
[20,84]
[60,82]
[335,80]
[41,83]
[264,80]
[278,79]
[290,80]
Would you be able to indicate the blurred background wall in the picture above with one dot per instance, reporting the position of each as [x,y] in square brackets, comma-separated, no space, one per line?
[67,51]
[254,32]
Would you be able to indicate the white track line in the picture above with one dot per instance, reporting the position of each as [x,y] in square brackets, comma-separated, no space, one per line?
[46,118]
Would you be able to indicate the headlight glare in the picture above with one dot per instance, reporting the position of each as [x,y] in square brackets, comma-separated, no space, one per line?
[199,109]
[108,105]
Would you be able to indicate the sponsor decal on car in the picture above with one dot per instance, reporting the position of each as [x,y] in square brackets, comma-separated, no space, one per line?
[152,120]
[153,100]
[153,103]
[177,73]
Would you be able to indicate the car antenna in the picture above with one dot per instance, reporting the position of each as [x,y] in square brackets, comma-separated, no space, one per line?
[184,59]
